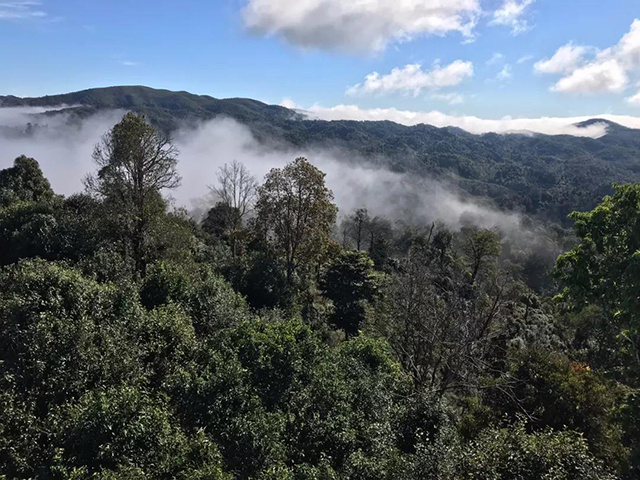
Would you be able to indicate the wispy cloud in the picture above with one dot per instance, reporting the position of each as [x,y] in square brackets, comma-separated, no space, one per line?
[129,63]
[496,58]
[21,10]
[450,98]
[504,75]
[512,14]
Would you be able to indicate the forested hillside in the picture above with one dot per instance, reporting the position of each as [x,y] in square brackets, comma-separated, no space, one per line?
[273,341]
[544,176]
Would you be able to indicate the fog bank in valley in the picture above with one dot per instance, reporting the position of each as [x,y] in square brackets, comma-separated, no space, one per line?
[63,149]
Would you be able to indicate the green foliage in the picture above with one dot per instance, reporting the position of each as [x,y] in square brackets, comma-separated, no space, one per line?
[604,267]
[24,182]
[208,300]
[480,248]
[512,454]
[221,221]
[135,162]
[63,334]
[558,393]
[295,209]
[124,353]
[351,283]
[272,394]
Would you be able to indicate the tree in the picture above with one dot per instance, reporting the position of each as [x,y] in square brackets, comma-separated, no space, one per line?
[350,283]
[221,221]
[295,210]
[236,188]
[380,234]
[24,182]
[480,248]
[440,326]
[135,163]
[604,268]
[356,226]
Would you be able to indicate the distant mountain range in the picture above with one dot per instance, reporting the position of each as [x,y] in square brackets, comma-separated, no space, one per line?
[545,176]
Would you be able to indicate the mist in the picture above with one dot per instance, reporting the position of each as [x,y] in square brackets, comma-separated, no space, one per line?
[64,148]
[354,182]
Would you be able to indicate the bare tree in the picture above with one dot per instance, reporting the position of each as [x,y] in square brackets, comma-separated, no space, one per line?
[441,330]
[236,188]
[237,191]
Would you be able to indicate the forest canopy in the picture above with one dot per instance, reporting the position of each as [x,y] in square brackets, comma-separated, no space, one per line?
[277,338]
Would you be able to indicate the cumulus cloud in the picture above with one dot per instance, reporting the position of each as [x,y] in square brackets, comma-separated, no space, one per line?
[512,14]
[628,49]
[358,26]
[566,59]
[597,77]
[21,10]
[608,71]
[412,79]
[472,124]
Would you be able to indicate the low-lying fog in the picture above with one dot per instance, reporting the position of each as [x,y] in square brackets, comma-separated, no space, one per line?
[64,152]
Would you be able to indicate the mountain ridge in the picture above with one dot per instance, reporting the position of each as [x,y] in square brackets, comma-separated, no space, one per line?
[543,175]
[130,96]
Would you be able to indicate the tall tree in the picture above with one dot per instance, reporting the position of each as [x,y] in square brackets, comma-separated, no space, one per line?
[295,209]
[135,163]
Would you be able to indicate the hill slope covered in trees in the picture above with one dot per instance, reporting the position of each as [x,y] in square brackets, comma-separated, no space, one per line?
[542,175]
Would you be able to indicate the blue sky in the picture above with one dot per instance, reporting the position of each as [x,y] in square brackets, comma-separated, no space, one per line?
[470,57]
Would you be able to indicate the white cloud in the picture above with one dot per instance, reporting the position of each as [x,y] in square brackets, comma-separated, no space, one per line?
[505,74]
[359,25]
[566,59]
[635,99]
[511,14]
[411,79]
[524,59]
[20,10]
[450,98]
[628,49]
[472,124]
[289,103]
[607,72]
[496,58]
[129,63]
[600,76]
